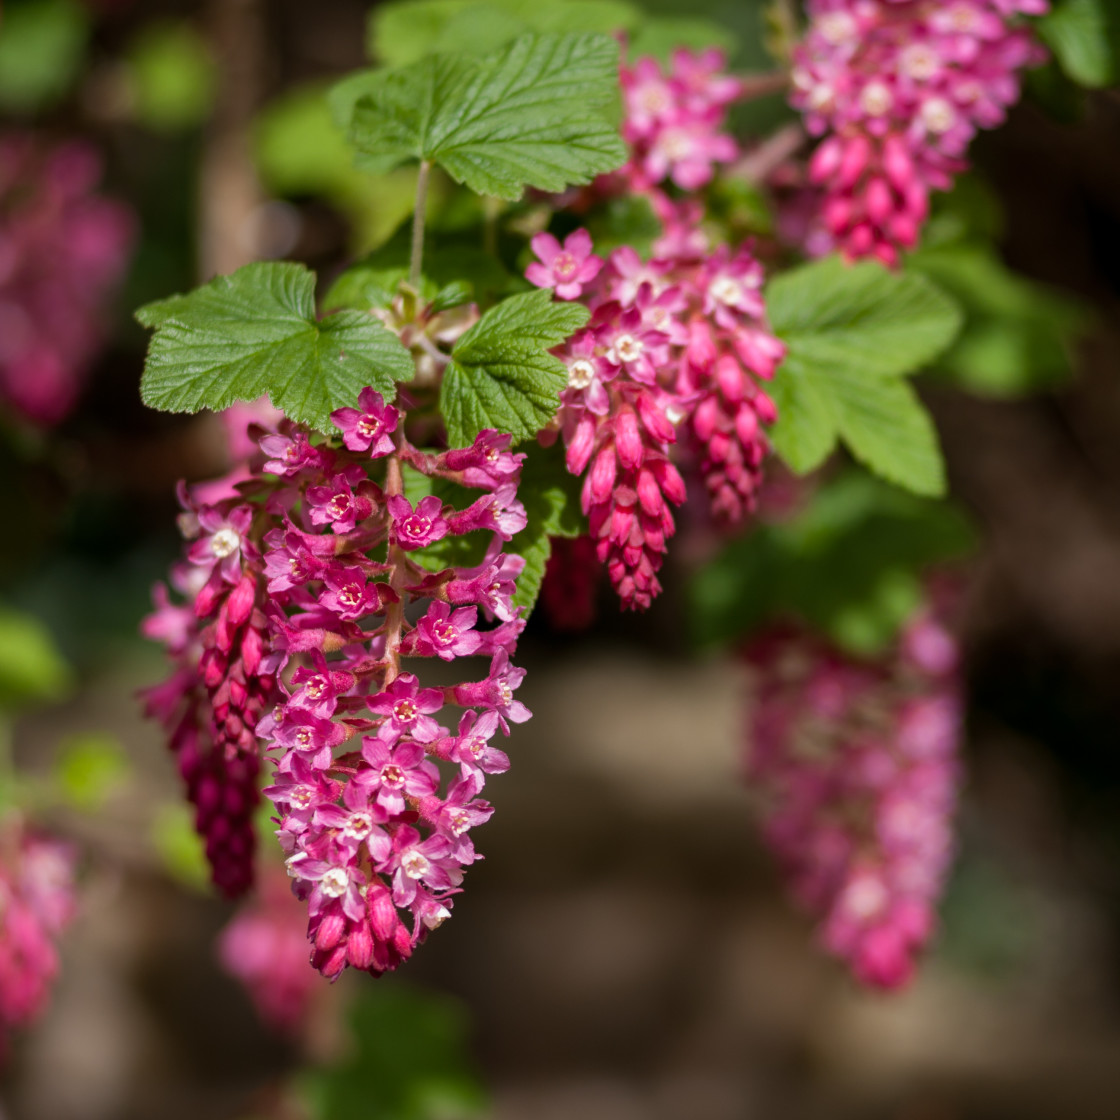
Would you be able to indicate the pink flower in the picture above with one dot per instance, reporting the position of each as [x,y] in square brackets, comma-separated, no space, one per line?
[407,708]
[567,268]
[420,528]
[369,426]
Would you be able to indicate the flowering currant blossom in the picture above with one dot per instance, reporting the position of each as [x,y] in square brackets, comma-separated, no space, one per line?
[298,638]
[36,903]
[899,88]
[677,345]
[63,251]
[679,340]
[856,764]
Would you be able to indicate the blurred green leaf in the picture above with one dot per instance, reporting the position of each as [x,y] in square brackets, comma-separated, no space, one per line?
[179,848]
[42,46]
[1077,31]
[850,565]
[172,76]
[409,1061]
[300,149]
[661,35]
[406,30]
[31,668]
[1018,335]
[852,332]
[89,768]
[628,220]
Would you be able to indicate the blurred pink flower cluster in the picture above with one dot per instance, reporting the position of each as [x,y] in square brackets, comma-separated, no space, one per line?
[36,903]
[856,766]
[265,948]
[899,88]
[63,252]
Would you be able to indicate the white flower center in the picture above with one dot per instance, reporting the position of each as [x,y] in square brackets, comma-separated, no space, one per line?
[505,693]
[726,290]
[919,62]
[821,96]
[415,864]
[301,797]
[334,882]
[938,115]
[225,542]
[565,266]
[675,144]
[392,776]
[581,373]
[876,99]
[460,822]
[628,348]
[367,426]
[358,827]
[404,711]
[836,27]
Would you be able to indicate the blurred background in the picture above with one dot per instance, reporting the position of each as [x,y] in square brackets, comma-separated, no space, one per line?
[625,950]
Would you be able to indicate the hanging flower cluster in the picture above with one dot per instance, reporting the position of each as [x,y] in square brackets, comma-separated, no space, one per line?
[300,584]
[857,767]
[680,341]
[36,904]
[900,88]
[676,341]
[63,250]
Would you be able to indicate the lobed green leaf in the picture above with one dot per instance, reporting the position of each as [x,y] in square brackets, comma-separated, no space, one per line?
[533,114]
[852,331]
[501,374]
[255,332]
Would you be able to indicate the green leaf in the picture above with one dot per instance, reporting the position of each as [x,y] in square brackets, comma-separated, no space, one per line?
[402,32]
[255,332]
[31,668]
[532,114]
[42,43]
[411,1046]
[1018,335]
[850,565]
[1077,32]
[887,429]
[501,374]
[89,768]
[852,330]
[171,76]
[662,35]
[628,220]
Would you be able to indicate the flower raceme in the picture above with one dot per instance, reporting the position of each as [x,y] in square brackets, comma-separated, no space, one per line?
[308,600]
[36,904]
[857,766]
[676,341]
[899,88]
[671,361]
[63,251]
